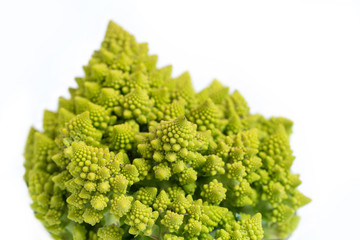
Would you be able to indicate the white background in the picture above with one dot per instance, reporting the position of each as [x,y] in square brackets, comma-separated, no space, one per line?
[299,59]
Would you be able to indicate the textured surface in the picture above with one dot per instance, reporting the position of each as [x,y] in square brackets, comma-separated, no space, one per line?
[135,152]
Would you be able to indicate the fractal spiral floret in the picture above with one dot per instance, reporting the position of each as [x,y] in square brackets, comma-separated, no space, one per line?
[135,153]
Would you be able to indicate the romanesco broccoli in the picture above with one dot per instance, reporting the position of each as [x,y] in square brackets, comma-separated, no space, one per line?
[135,153]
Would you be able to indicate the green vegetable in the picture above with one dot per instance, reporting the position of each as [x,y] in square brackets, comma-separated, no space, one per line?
[135,153]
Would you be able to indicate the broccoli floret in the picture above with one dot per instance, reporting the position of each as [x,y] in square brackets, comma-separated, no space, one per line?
[135,153]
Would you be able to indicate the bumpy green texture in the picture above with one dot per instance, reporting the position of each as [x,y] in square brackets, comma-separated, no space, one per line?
[135,153]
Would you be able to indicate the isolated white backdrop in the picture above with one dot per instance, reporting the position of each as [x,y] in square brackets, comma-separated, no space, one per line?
[298,59]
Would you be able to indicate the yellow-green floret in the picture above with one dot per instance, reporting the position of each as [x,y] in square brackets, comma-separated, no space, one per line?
[135,153]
